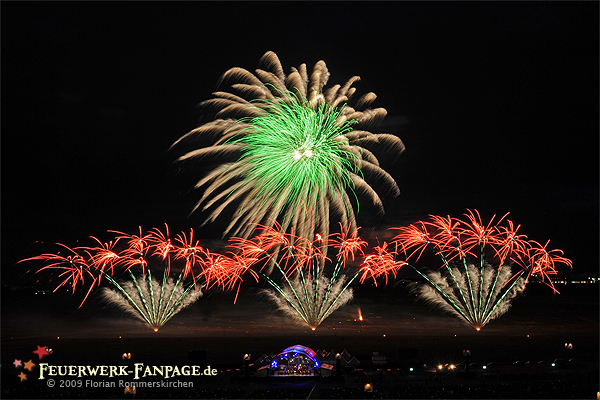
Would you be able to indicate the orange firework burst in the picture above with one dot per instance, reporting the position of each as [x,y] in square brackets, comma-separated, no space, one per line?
[541,262]
[291,253]
[347,243]
[188,249]
[381,262]
[74,269]
[136,252]
[413,237]
[162,245]
[104,255]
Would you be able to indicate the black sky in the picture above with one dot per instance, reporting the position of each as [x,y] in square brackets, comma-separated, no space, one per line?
[497,104]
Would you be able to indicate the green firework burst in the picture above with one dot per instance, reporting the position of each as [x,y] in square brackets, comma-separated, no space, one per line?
[300,152]
[294,151]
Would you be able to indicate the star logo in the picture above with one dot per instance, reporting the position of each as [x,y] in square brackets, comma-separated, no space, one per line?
[41,351]
[17,363]
[29,365]
[23,376]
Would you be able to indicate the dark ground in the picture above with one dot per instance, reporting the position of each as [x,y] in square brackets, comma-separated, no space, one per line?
[535,329]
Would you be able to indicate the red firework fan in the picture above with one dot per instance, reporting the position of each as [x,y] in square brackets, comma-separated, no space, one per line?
[347,244]
[483,265]
[73,268]
[381,262]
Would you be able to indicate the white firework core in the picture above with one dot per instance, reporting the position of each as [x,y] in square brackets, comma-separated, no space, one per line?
[151,301]
[488,296]
[309,302]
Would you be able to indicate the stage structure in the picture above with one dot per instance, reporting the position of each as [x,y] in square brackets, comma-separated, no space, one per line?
[296,361]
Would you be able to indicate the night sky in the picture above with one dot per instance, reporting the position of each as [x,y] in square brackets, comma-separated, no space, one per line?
[497,104]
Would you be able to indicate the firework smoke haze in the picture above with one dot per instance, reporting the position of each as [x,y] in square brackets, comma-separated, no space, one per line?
[300,151]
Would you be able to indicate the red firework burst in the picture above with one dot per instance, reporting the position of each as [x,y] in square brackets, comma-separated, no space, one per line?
[539,261]
[346,243]
[136,252]
[102,257]
[476,233]
[381,262]
[74,269]
[413,237]
[189,250]
[454,238]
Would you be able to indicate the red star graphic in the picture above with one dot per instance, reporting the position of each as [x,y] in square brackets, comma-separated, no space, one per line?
[17,363]
[22,376]
[29,365]
[41,351]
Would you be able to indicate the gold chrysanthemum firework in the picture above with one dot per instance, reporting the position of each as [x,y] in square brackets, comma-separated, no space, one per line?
[289,150]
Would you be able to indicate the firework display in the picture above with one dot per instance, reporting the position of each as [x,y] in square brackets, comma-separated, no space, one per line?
[496,286]
[483,266]
[285,144]
[310,289]
[295,200]
[186,268]
[305,302]
[151,301]
[290,154]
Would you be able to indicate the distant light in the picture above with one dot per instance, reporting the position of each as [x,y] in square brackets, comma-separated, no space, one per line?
[411,369]
[553,364]
[313,328]
[383,335]
[58,337]
[440,366]
[485,367]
